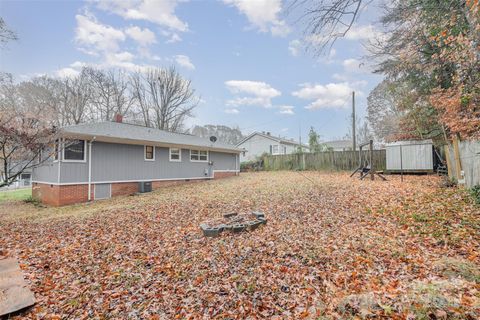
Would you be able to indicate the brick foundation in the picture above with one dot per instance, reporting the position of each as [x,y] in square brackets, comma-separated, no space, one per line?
[124,188]
[220,175]
[55,195]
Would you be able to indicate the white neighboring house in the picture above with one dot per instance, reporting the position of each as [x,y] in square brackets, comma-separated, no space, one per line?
[259,143]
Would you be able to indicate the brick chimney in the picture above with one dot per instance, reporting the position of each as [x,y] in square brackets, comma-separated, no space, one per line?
[118,118]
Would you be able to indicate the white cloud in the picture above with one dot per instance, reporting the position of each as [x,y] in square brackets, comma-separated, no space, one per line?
[161,13]
[95,36]
[356,33]
[259,93]
[262,14]
[286,110]
[232,111]
[144,37]
[184,61]
[332,95]
[355,66]
[174,37]
[365,32]
[294,47]
[67,73]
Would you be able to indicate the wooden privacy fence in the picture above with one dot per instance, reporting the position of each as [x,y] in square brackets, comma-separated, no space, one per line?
[463,161]
[330,160]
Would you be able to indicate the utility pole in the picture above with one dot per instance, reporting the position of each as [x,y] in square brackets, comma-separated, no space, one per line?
[300,136]
[354,135]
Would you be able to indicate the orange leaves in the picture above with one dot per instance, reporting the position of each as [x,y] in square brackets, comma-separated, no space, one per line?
[145,258]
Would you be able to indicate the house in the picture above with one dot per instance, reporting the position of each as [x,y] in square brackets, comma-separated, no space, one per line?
[259,143]
[102,160]
[23,180]
[338,145]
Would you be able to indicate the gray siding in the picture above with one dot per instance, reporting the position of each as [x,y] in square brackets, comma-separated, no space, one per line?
[123,162]
[47,172]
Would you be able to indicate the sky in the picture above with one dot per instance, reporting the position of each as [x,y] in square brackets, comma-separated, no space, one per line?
[247,60]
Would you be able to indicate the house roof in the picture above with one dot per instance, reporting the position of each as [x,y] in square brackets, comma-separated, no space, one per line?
[338,144]
[274,138]
[115,132]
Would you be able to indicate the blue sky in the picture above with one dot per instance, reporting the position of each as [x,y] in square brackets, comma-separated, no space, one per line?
[246,59]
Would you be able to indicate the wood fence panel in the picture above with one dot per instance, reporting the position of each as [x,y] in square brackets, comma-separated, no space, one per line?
[330,160]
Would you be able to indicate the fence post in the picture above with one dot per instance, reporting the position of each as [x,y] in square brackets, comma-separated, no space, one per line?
[458,164]
[372,167]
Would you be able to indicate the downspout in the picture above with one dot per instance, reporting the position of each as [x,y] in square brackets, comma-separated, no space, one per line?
[90,168]
[59,157]
[237,160]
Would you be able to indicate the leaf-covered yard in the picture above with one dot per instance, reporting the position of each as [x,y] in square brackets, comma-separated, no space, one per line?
[333,247]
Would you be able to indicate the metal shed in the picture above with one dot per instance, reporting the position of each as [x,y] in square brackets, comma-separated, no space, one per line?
[410,156]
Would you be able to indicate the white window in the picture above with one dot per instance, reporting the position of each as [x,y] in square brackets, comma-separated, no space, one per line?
[199,155]
[149,153]
[275,149]
[74,151]
[175,154]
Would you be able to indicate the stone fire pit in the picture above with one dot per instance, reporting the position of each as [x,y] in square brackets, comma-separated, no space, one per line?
[233,222]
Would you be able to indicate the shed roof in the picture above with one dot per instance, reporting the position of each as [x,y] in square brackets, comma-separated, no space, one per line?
[409,142]
[116,132]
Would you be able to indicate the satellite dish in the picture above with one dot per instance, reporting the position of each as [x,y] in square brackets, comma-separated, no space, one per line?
[213,139]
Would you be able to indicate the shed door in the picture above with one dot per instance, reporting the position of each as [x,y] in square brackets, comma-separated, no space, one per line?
[103,191]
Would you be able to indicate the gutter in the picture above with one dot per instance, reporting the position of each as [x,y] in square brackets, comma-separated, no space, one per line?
[90,168]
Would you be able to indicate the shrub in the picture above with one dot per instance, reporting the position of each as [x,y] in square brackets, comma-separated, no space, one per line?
[475,192]
[33,201]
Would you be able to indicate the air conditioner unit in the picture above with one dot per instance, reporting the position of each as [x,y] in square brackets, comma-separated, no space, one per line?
[145,186]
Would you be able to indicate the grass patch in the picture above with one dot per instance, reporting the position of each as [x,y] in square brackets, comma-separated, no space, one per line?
[15,195]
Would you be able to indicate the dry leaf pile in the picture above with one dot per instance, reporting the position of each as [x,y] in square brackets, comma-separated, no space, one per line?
[333,248]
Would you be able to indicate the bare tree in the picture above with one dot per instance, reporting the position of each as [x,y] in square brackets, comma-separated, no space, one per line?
[326,21]
[6,34]
[164,97]
[76,95]
[383,114]
[110,93]
[23,134]
[223,133]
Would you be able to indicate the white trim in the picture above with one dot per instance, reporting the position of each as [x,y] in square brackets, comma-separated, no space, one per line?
[145,152]
[90,172]
[84,152]
[208,155]
[179,155]
[122,181]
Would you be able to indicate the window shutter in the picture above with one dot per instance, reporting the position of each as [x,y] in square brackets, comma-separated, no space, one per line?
[271,147]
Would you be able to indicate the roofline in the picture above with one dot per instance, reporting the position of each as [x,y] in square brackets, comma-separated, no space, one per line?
[277,139]
[110,139]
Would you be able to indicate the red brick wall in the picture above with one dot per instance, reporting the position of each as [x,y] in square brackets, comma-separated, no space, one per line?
[124,188]
[219,175]
[46,193]
[55,195]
